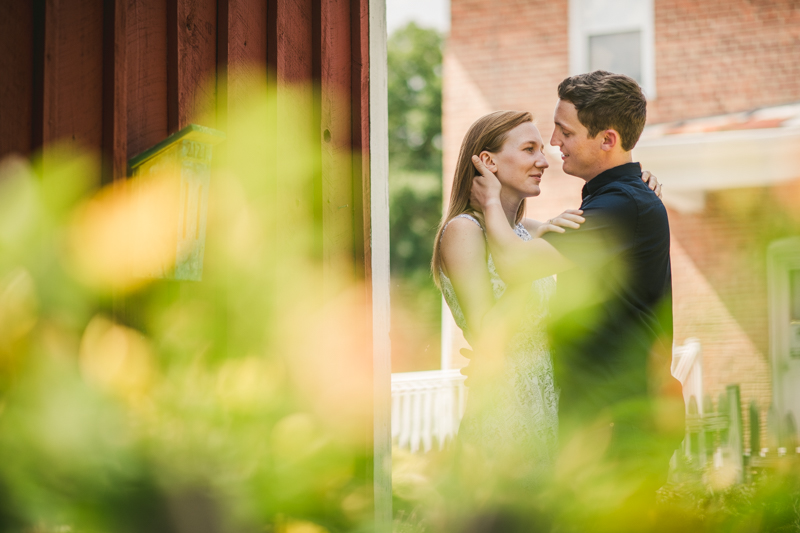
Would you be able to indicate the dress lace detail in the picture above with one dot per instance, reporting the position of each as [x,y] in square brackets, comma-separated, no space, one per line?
[519,411]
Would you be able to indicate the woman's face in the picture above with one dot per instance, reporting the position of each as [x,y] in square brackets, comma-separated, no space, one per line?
[520,164]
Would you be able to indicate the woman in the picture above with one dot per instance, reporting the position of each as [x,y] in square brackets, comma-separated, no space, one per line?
[513,416]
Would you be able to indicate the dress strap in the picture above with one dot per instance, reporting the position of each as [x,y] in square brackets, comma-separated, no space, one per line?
[462,215]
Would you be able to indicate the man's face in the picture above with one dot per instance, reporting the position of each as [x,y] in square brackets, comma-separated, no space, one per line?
[579,152]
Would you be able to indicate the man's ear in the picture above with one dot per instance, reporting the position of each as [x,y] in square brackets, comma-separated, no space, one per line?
[487,158]
[611,139]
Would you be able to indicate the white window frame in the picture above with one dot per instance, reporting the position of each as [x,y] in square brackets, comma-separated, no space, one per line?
[580,29]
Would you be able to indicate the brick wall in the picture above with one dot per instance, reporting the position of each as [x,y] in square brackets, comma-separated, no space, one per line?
[712,56]
[721,56]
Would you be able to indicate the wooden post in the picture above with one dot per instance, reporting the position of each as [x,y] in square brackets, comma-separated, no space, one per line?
[722,410]
[735,430]
[707,408]
[773,429]
[694,425]
[789,433]
[115,91]
[751,458]
[379,244]
[755,429]
[147,72]
[17,86]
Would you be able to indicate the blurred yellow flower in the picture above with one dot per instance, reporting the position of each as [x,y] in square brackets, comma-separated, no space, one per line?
[126,234]
[116,358]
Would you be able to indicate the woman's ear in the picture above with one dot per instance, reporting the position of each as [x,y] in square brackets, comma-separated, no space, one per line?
[487,158]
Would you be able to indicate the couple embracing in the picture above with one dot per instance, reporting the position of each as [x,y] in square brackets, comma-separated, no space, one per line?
[580,365]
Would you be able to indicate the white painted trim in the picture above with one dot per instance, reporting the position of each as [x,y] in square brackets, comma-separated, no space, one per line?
[577,40]
[649,51]
[782,256]
[579,43]
[379,244]
[689,164]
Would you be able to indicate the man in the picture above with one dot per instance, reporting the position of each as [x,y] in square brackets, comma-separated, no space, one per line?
[611,322]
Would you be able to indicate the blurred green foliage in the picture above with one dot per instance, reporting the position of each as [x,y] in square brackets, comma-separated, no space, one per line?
[131,404]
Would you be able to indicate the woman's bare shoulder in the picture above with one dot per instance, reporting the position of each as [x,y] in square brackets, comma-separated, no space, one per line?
[462,239]
[462,228]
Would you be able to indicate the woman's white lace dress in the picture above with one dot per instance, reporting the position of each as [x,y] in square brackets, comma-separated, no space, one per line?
[519,411]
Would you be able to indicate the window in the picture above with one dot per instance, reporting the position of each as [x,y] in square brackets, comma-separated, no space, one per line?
[617,52]
[616,36]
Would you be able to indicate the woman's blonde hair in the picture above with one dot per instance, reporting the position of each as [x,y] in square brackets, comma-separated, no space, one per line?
[488,133]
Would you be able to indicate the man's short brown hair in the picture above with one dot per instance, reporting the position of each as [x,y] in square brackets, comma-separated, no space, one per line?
[607,101]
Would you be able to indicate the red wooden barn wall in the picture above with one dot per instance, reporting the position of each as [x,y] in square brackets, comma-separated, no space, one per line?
[117,76]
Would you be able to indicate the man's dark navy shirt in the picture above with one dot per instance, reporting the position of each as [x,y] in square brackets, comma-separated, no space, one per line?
[614,307]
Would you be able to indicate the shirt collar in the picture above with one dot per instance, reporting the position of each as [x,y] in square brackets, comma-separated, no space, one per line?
[610,175]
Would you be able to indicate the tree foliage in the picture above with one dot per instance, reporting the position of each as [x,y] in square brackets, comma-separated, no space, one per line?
[415,98]
[415,156]
[415,190]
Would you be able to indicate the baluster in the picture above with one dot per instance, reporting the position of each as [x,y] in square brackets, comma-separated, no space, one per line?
[405,432]
[773,431]
[735,430]
[755,428]
[443,414]
[754,419]
[722,428]
[395,415]
[416,415]
[707,409]
[789,434]
[427,417]
[693,425]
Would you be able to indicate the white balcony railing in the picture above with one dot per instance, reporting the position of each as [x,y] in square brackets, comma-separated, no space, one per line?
[426,406]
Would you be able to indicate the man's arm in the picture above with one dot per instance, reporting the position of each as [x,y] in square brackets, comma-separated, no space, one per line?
[517,261]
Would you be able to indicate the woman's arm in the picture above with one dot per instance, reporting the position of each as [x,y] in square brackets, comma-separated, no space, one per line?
[489,321]
[571,218]
[463,250]
[519,261]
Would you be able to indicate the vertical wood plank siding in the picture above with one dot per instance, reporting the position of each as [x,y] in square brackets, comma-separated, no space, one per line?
[147,74]
[197,62]
[359,96]
[115,77]
[115,117]
[246,47]
[72,75]
[16,81]
[335,131]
